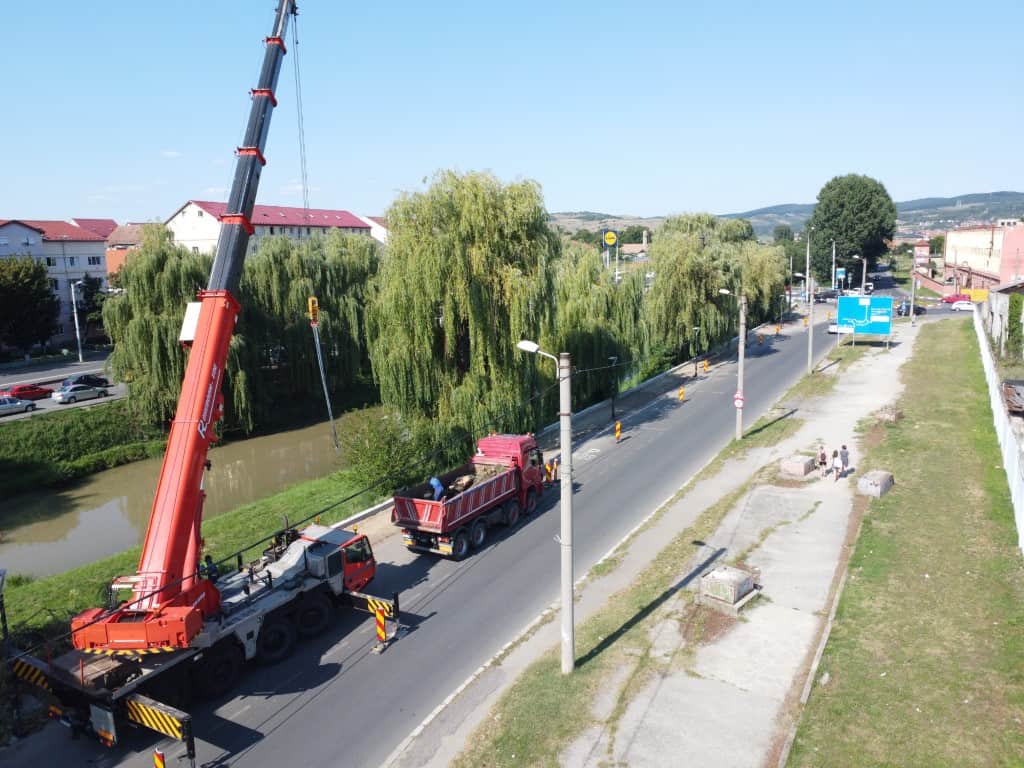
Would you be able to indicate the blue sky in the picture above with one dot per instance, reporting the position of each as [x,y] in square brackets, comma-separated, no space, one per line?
[128,109]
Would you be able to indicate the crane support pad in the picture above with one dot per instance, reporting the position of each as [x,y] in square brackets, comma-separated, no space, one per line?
[159,717]
[374,605]
[30,673]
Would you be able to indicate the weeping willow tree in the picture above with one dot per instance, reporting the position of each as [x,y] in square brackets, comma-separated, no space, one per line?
[145,320]
[466,275]
[272,352]
[596,319]
[695,256]
[271,358]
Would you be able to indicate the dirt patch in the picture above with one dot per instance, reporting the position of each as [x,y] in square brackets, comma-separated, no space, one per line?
[704,625]
[873,437]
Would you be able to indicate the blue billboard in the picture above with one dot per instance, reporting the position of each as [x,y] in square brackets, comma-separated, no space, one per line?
[865,314]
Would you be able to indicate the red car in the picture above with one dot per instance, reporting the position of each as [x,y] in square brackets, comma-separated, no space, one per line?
[27,392]
[955,297]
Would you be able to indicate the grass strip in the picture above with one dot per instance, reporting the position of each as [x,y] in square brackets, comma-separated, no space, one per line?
[924,656]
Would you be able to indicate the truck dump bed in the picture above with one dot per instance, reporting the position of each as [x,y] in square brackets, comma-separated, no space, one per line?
[486,482]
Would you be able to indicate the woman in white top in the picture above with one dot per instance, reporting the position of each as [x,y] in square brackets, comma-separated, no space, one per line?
[837,466]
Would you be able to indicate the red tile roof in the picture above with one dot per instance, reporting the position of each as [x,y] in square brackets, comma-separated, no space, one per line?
[56,230]
[379,220]
[102,227]
[282,216]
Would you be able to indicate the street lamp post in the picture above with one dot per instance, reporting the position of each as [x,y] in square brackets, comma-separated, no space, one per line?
[612,360]
[74,311]
[742,354]
[833,265]
[565,537]
[863,272]
[696,354]
[810,306]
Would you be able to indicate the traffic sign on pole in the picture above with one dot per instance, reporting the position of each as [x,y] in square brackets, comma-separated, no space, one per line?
[737,400]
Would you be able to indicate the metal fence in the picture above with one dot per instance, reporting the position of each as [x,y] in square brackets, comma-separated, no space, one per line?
[1010,439]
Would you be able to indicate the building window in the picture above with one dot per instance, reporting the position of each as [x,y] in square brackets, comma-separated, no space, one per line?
[54,284]
[94,261]
[271,230]
[51,261]
[199,213]
[4,241]
[60,330]
[308,231]
[71,261]
[195,249]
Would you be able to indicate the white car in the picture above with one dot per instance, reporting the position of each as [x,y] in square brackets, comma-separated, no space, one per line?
[77,392]
[15,405]
[963,306]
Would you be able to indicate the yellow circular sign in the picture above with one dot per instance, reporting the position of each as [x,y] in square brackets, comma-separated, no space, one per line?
[610,237]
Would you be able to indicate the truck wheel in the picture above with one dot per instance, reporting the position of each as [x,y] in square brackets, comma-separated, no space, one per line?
[460,546]
[531,502]
[314,615]
[511,513]
[479,534]
[276,640]
[216,673]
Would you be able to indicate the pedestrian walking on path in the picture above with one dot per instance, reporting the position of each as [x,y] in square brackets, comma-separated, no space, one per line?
[822,462]
[837,466]
[844,457]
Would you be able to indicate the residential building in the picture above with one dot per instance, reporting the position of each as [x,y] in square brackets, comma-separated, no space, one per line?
[101,227]
[378,228]
[922,250]
[120,243]
[196,224]
[974,255]
[70,253]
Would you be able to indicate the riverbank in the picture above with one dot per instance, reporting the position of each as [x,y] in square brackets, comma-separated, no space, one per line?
[911,678]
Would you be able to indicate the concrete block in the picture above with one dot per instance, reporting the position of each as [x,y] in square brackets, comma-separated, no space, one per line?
[726,583]
[875,483]
[797,465]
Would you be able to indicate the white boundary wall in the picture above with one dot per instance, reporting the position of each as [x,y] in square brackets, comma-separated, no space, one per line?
[1010,432]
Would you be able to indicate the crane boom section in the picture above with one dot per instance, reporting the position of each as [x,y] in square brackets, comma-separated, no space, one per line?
[169,600]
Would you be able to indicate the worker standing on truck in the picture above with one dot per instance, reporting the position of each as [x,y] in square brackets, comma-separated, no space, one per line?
[438,487]
[209,569]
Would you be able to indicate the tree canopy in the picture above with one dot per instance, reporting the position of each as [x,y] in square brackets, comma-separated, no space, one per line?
[782,233]
[467,274]
[855,211]
[28,308]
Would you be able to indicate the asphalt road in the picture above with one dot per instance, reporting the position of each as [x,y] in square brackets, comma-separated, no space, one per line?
[45,405]
[335,703]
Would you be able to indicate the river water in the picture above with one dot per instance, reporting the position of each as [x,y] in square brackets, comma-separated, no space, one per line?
[108,512]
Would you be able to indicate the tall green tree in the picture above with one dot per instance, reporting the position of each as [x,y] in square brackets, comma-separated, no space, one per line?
[28,308]
[782,233]
[937,245]
[467,274]
[855,211]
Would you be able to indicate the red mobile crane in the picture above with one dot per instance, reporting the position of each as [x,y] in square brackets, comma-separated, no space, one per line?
[178,631]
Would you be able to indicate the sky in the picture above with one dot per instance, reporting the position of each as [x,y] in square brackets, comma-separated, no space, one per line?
[126,110]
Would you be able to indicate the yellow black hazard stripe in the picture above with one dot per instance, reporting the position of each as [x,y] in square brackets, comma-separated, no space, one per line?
[129,651]
[30,674]
[158,717]
[385,607]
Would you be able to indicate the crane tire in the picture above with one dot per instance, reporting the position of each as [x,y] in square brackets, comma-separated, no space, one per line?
[217,672]
[276,640]
[314,615]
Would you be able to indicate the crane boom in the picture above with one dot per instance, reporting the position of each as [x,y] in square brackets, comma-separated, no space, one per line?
[169,600]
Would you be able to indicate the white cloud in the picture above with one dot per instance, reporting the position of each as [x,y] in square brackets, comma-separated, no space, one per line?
[215,192]
[171,153]
[294,189]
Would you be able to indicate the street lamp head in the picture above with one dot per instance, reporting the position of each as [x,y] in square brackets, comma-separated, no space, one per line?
[528,346]
[798,274]
[725,291]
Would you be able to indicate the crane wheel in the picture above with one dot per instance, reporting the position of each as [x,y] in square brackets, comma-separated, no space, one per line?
[531,501]
[276,640]
[314,615]
[460,546]
[511,513]
[217,672]
[478,534]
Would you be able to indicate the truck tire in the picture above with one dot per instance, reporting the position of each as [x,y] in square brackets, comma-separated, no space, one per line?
[217,672]
[478,534]
[531,502]
[511,513]
[460,546]
[276,640]
[314,615]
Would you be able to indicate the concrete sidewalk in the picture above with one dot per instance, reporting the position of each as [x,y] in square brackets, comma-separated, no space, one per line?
[733,700]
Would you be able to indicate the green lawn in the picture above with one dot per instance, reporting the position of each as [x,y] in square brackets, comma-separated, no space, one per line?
[925,657]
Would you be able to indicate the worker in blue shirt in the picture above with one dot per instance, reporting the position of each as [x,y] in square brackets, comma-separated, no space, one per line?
[438,487]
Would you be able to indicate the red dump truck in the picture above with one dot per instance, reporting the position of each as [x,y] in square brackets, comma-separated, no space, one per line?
[505,477]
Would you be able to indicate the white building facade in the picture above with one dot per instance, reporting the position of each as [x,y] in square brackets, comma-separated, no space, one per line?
[196,225]
[70,253]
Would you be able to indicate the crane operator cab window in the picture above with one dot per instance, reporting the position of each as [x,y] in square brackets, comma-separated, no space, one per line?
[359,565]
[536,458]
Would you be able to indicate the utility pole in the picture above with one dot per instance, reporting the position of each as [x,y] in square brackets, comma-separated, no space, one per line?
[913,286]
[73,284]
[810,306]
[833,265]
[565,538]
[739,372]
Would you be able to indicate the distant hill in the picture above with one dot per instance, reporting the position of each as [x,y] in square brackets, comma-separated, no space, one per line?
[915,217]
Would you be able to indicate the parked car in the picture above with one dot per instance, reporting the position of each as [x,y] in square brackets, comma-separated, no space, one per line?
[27,392]
[77,392]
[963,306]
[15,405]
[955,297]
[904,309]
[85,378]
[829,294]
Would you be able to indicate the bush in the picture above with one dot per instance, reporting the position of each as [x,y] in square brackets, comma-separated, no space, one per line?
[1014,330]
